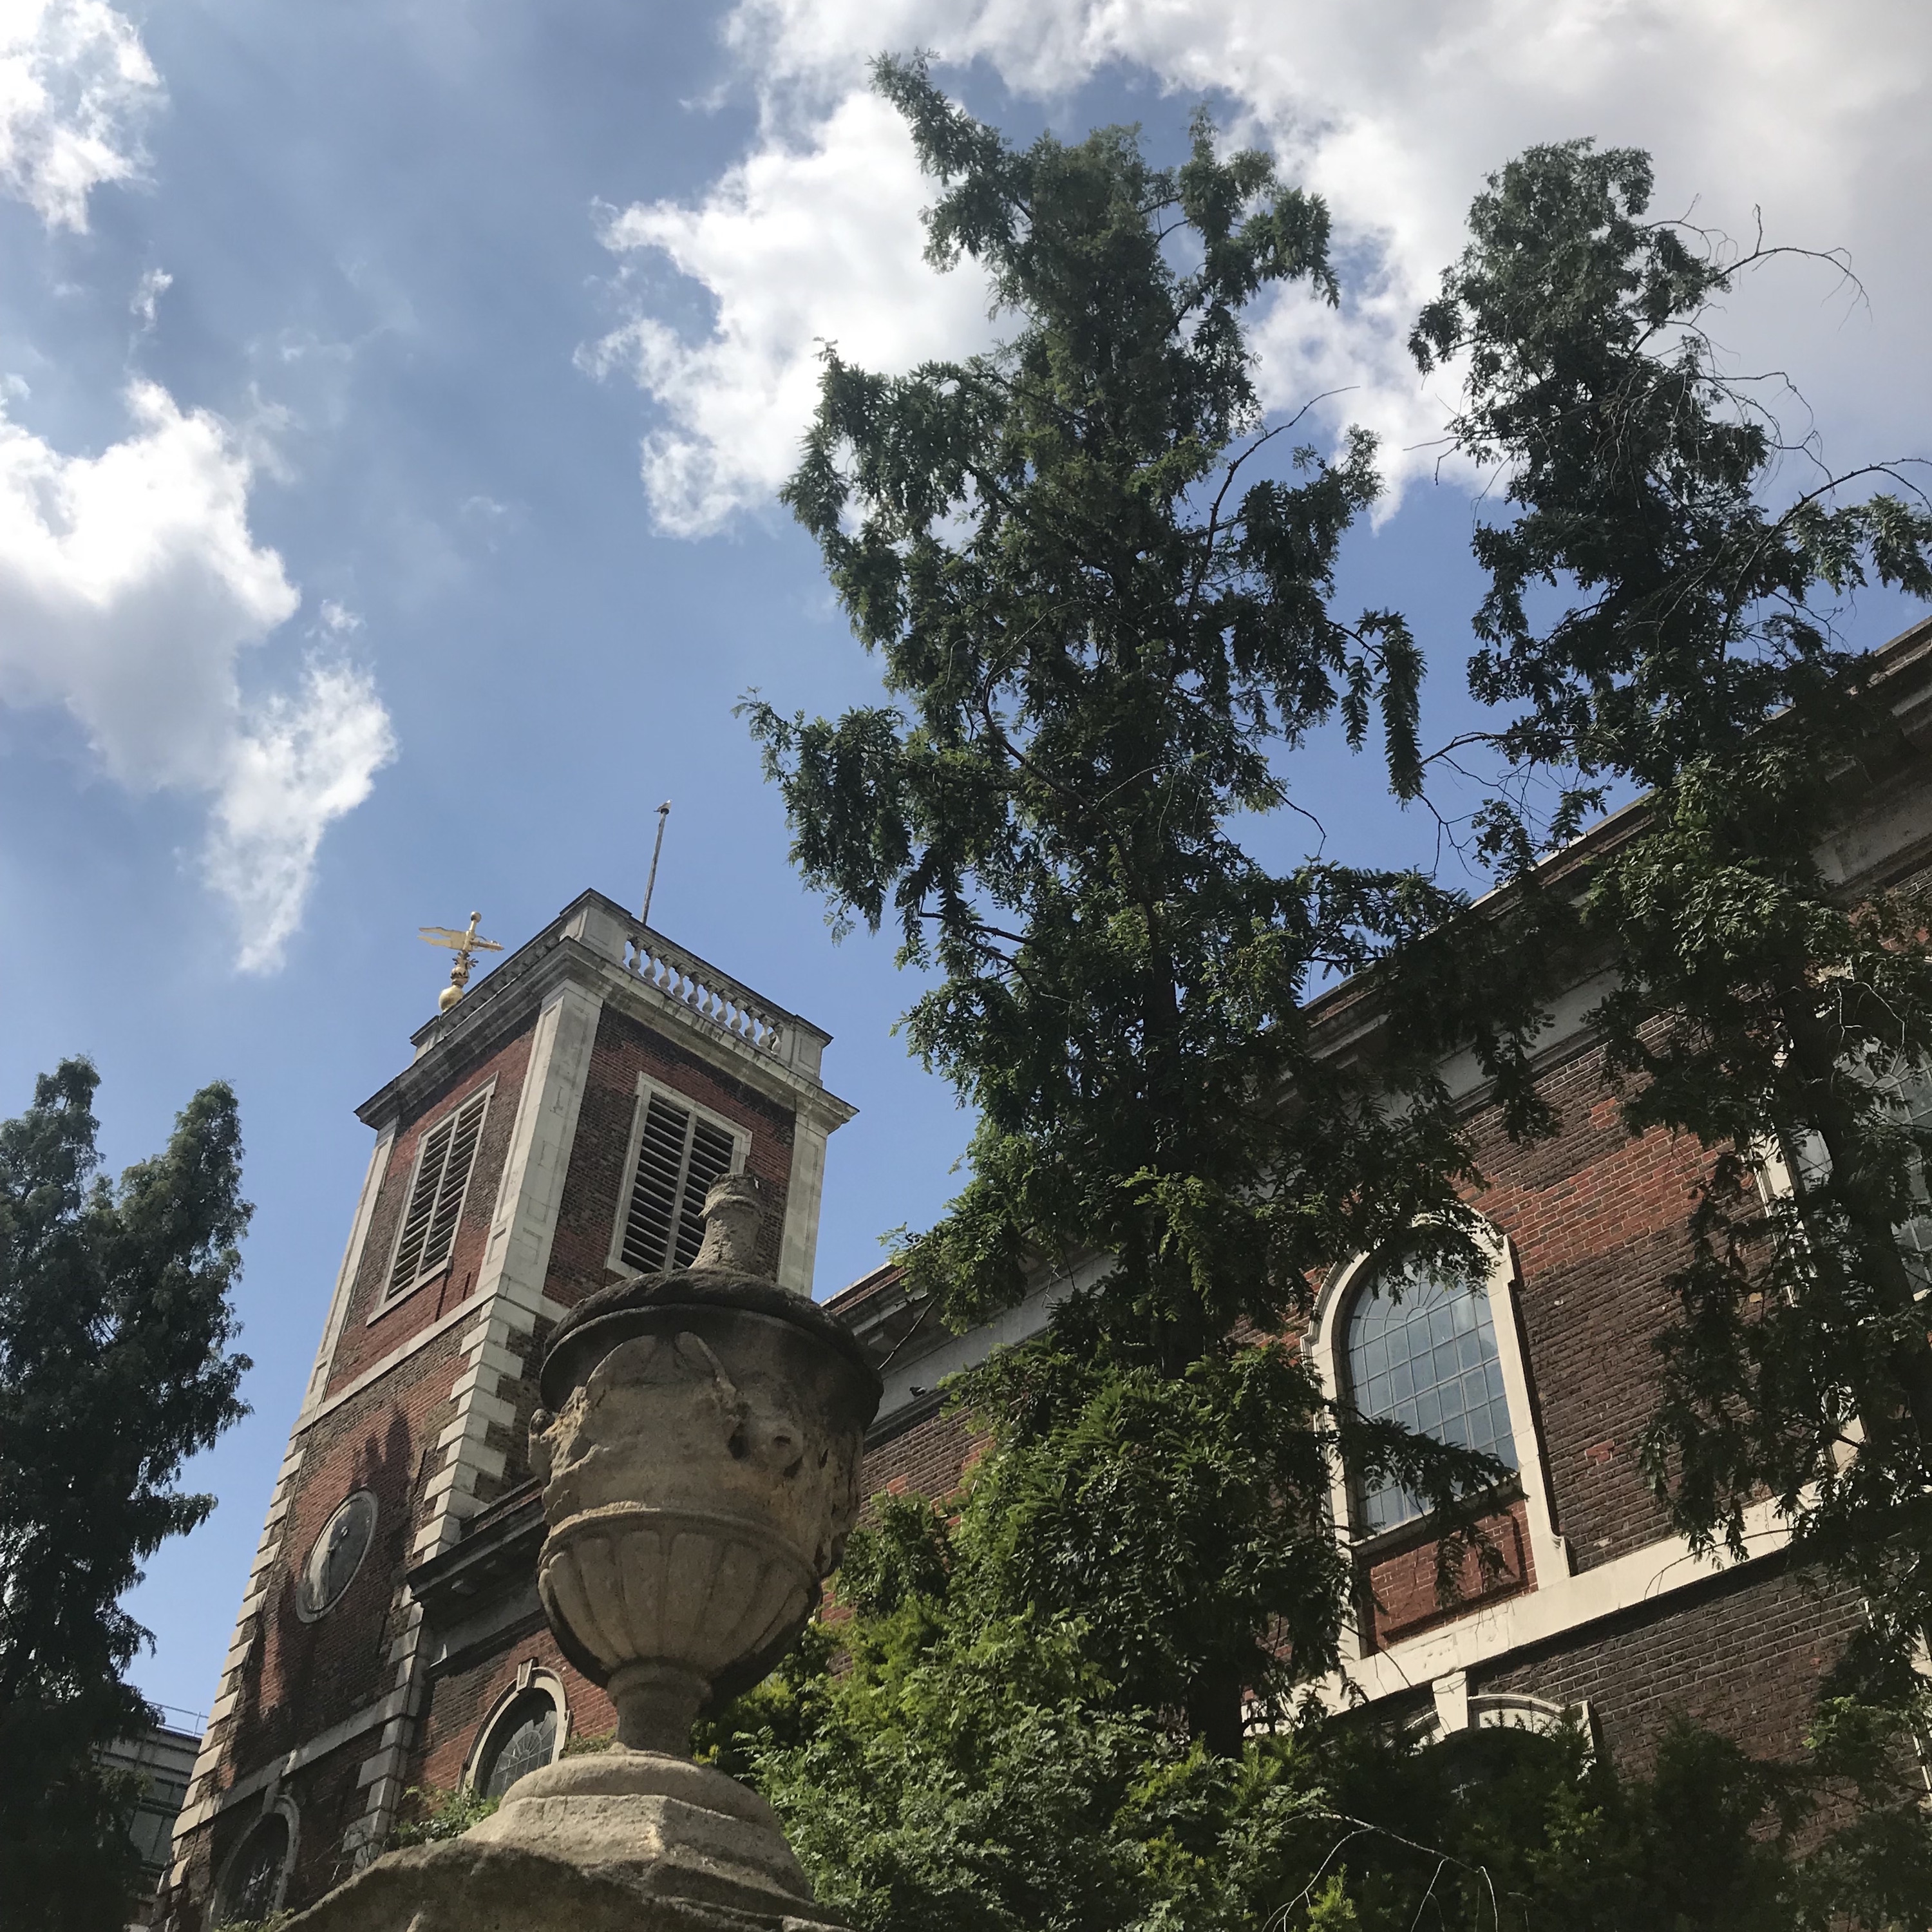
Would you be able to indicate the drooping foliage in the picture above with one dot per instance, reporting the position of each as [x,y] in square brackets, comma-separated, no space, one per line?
[1104,611]
[1662,613]
[115,1324]
[1185,1521]
[966,1744]
[1100,585]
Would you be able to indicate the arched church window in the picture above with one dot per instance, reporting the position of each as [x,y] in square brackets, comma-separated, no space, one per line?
[1421,1351]
[252,1882]
[522,1738]
[336,1555]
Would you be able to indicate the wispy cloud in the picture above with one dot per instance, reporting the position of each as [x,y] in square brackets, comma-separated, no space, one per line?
[75,83]
[129,586]
[295,764]
[145,301]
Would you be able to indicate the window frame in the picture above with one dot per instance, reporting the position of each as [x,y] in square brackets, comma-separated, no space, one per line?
[388,1296]
[530,1676]
[741,1149]
[1327,1345]
[1778,1154]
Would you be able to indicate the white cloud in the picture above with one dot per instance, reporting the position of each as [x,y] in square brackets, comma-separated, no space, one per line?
[130,585]
[798,244]
[1394,113]
[75,81]
[293,765]
[146,298]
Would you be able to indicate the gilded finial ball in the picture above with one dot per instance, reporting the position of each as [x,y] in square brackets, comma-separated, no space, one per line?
[450,995]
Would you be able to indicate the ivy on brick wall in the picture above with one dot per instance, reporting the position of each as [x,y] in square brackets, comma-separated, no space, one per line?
[961,1747]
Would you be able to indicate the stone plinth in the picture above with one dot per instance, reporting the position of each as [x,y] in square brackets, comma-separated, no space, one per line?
[616,1841]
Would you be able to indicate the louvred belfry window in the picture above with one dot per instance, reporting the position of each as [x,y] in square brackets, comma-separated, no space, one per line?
[435,1199]
[681,1156]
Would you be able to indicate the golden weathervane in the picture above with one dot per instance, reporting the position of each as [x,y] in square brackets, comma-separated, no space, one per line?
[466,945]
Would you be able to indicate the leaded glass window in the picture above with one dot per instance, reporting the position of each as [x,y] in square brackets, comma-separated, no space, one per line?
[251,1890]
[1422,1352]
[1910,1092]
[523,1740]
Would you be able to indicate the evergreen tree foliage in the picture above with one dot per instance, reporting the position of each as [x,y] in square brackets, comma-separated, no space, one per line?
[1104,611]
[1105,614]
[1106,624]
[1660,614]
[960,1748]
[114,1324]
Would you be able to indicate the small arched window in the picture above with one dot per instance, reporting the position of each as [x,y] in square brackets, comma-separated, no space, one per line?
[1422,1351]
[252,1882]
[522,1738]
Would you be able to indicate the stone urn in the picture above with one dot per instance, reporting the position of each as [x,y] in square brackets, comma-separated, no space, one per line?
[699,1446]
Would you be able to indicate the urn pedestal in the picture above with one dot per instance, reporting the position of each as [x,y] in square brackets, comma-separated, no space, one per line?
[699,1446]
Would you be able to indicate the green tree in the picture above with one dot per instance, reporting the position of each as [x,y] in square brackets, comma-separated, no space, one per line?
[1105,623]
[115,1322]
[1105,615]
[952,1754]
[1662,614]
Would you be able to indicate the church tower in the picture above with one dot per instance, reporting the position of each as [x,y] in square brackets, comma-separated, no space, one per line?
[560,1123]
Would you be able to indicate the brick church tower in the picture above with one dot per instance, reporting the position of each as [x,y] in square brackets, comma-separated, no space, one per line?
[563,1120]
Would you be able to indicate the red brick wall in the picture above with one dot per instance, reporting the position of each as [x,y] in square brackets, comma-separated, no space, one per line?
[1742,1654]
[301,1678]
[927,1459]
[327,1800]
[461,1702]
[1598,1220]
[363,1342]
[596,1186]
[1400,1597]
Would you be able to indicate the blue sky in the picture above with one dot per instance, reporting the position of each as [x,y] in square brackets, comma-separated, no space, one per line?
[393,398]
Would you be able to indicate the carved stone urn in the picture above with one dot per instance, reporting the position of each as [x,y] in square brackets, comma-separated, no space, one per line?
[700,1449]
[699,1446]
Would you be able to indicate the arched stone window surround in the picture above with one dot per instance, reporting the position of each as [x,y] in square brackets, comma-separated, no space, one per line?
[1455,1709]
[1326,1341]
[223,1907]
[531,1676]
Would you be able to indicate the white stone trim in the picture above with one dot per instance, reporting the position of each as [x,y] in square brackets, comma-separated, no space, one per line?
[464,1311]
[1549,1551]
[805,1188]
[508,1303]
[240,1644]
[530,1675]
[276,1804]
[1557,1609]
[318,1747]
[352,1265]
